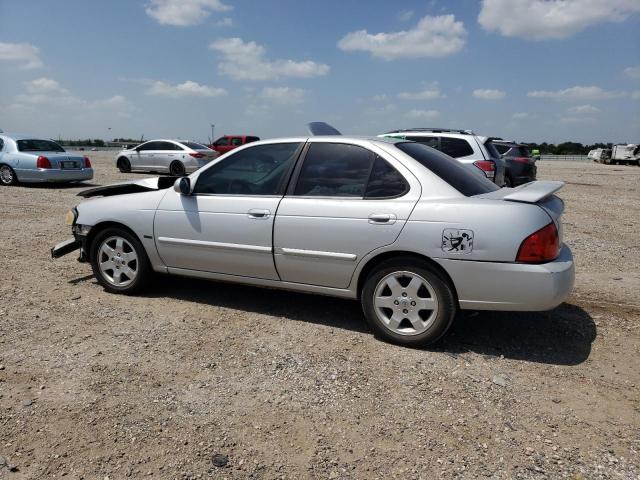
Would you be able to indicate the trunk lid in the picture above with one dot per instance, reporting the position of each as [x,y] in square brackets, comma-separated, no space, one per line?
[63,160]
[540,193]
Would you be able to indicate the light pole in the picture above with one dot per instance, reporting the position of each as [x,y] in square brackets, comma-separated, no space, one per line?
[213,138]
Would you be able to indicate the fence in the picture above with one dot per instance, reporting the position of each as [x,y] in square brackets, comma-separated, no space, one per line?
[570,158]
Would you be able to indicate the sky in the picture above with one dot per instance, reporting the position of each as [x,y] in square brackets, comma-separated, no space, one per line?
[527,70]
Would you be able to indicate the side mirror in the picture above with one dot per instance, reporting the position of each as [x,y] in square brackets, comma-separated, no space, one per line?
[183,186]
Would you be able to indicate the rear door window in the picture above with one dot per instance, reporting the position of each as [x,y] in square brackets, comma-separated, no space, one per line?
[385,181]
[236,141]
[334,170]
[455,147]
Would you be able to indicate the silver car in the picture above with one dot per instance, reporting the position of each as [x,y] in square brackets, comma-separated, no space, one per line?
[392,223]
[176,157]
[26,159]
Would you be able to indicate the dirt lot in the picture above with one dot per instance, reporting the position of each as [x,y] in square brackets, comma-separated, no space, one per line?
[197,379]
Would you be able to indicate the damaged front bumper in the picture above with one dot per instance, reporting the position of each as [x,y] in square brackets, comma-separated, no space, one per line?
[79,241]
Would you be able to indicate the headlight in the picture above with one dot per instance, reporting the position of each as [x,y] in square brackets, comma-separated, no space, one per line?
[71,217]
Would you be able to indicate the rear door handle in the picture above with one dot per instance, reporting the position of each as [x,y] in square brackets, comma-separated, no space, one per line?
[382,218]
[258,214]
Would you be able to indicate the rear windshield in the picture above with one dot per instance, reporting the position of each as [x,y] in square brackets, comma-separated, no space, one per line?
[448,169]
[194,146]
[34,145]
[491,148]
[520,152]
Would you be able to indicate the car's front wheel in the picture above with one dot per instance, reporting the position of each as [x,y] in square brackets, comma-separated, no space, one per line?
[7,176]
[124,165]
[408,302]
[119,261]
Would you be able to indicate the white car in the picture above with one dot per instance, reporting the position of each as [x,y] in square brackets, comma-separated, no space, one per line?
[176,157]
[411,234]
[474,151]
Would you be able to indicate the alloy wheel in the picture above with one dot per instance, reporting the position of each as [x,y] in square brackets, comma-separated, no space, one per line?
[118,261]
[405,303]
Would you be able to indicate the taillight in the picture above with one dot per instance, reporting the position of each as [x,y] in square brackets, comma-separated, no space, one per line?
[541,246]
[522,159]
[43,162]
[197,155]
[87,162]
[487,166]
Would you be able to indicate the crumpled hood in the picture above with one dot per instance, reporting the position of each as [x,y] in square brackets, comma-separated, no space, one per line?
[131,186]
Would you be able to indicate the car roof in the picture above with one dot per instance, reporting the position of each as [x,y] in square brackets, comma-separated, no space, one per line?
[433,130]
[22,136]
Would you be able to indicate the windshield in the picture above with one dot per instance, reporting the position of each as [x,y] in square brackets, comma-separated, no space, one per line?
[449,169]
[34,145]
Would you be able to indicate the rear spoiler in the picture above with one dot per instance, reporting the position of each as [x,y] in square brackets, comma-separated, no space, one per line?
[531,192]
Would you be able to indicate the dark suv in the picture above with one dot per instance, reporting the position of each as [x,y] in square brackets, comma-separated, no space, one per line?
[520,165]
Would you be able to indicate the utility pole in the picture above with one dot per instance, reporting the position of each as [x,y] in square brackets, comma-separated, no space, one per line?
[213,138]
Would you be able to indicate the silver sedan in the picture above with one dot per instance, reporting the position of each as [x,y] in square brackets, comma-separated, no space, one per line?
[27,159]
[397,225]
[176,157]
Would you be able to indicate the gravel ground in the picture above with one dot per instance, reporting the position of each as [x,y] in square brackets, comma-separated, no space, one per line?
[198,379]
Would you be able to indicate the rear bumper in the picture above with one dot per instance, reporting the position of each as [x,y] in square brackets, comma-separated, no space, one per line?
[512,286]
[43,175]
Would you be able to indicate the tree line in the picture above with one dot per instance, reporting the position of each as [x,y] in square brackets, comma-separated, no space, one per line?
[566,148]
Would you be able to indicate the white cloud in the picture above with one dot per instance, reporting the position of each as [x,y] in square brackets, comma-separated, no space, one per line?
[432,37]
[430,93]
[635,95]
[283,95]
[186,89]
[246,61]
[551,19]
[383,97]
[577,93]
[48,92]
[520,115]
[27,56]
[422,114]
[577,120]
[183,13]
[582,110]
[489,94]
[633,72]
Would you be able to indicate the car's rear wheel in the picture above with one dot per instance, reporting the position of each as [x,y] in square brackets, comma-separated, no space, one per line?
[406,301]
[176,169]
[119,261]
[7,176]
[508,182]
[124,165]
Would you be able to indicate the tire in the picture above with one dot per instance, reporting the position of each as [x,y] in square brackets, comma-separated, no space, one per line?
[8,176]
[396,316]
[176,169]
[128,258]
[124,165]
[508,182]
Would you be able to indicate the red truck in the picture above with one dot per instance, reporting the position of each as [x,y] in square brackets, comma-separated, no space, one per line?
[229,142]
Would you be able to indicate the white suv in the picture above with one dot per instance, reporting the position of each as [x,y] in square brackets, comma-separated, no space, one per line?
[474,151]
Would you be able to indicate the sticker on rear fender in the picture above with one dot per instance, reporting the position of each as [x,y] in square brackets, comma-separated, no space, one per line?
[455,240]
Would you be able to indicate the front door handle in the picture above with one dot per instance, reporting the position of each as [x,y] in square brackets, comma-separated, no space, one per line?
[258,214]
[382,218]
